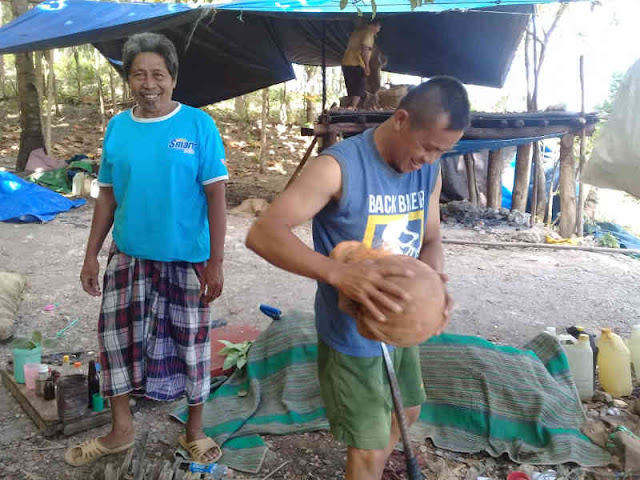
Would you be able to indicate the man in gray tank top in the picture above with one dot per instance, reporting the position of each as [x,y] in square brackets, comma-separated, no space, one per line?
[381,188]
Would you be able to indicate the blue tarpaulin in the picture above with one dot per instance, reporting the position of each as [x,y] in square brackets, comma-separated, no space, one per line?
[230,49]
[22,201]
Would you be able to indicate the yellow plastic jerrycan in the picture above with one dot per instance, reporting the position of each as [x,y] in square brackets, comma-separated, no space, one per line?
[634,348]
[614,364]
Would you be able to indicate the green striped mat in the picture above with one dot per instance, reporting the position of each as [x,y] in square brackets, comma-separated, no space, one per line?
[481,397]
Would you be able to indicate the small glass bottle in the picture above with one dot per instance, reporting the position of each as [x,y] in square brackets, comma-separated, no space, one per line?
[50,389]
[43,374]
[66,367]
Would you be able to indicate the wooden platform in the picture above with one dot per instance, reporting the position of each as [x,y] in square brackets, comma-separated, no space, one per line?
[44,413]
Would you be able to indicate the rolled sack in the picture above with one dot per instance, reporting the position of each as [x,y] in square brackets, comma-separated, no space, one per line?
[422,315]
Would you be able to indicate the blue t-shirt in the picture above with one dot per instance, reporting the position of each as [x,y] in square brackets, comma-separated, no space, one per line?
[379,207]
[158,168]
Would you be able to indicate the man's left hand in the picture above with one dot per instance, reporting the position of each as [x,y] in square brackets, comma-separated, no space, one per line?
[211,282]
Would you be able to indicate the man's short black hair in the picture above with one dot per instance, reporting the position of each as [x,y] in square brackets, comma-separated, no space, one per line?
[426,101]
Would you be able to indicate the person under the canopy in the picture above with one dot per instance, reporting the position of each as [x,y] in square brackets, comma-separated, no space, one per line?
[355,62]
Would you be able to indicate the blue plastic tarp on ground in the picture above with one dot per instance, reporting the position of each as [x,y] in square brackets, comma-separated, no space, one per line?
[625,238]
[26,202]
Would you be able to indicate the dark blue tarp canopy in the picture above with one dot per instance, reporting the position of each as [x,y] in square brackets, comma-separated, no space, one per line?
[235,48]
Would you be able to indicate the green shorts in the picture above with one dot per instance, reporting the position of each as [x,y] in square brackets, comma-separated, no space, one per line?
[357,396]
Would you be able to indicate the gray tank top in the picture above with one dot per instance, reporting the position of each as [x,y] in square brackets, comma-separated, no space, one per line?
[379,207]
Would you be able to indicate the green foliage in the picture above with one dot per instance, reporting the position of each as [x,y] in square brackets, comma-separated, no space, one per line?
[236,354]
[614,86]
[35,341]
[609,241]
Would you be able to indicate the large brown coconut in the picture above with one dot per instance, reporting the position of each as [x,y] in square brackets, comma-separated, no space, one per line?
[421,316]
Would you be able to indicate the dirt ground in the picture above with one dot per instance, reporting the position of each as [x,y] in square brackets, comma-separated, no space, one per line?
[506,296]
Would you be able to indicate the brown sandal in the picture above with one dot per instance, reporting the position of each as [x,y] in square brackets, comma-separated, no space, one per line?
[90,451]
[198,448]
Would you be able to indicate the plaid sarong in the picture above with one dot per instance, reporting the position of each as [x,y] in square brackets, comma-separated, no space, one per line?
[154,329]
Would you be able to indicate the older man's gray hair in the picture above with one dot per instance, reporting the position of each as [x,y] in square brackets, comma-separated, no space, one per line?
[153,43]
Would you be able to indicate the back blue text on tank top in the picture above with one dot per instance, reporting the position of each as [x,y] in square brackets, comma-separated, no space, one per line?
[379,207]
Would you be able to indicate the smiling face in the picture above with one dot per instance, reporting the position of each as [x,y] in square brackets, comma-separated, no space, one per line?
[409,147]
[151,85]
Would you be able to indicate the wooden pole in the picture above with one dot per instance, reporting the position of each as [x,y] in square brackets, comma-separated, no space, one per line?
[548,246]
[523,177]
[494,179]
[534,107]
[324,66]
[96,64]
[470,165]
[567,187]
[300,166]
[50,101]
[552,193]
[583,147]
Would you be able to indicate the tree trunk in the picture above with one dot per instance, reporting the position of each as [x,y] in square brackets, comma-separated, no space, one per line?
[284,105]
[470,164]
[242,109]
[112,89]
[51,60]
[96,65]
[40,80]
[76,57]
[263,128]
[567,187]
[50,99]
[494,179]
[30,124]
[523,177]
[125,91]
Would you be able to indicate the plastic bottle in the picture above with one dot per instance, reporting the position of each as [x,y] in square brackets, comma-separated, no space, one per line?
[66,367]
[576,331]
[213,470]
[614,364]
[634,349]
[93,383]
[77,184]
[43,374]
[580,359]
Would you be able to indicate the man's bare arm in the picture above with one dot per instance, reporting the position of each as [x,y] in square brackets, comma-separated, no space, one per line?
[272,238]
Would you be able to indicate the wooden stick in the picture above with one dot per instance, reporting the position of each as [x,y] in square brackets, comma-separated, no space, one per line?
[472,183]
[549,246]
[306,156]
[271,474]
[583,148]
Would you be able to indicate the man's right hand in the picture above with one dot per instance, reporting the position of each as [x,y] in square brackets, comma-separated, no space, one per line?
[367,71]
[364,282]
[89,276]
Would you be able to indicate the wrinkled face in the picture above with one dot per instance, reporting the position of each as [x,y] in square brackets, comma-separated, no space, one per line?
[151,85]
[411,148]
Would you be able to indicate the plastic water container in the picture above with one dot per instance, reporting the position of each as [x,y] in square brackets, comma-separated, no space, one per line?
[580,359]
[77,185]
[614,364]
[23,356]
[634,349]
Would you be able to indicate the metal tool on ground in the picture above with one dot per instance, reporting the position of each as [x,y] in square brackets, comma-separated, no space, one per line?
[413,470]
